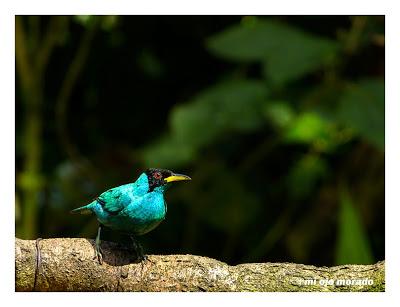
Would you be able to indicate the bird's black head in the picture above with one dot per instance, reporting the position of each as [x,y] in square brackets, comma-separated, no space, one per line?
[160,177]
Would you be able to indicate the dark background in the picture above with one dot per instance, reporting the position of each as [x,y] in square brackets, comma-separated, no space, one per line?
[279,121]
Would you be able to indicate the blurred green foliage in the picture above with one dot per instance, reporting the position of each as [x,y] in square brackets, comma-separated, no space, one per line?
[352,245]
[229,107]
[278,120]
[370,123]
[285,53]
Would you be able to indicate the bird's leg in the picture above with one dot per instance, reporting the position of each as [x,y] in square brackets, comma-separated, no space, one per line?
[98,251]
[135,246]
[139,252]
[138,249]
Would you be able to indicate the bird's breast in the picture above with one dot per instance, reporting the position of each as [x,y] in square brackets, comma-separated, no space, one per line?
[144,213]
[150,207]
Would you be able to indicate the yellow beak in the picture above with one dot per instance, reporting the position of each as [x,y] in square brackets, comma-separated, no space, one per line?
[177,177]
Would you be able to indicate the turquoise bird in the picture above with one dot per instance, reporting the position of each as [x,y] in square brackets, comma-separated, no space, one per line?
[134,208]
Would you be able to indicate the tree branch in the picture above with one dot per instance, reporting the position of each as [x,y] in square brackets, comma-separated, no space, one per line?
[55,28]
[24,67]
[67,265]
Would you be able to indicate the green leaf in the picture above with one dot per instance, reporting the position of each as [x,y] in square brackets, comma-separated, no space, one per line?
[228,107]
[362,107]
[194,123]
[286,52]
[308,127]
[298,57]
[315,129]
[312,127]
[353,245]
[246,42]
[232,105]
[167,152]
[84,19]
[280,114]
[109,22]
[150,64]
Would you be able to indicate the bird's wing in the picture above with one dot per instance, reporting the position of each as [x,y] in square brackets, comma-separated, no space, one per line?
[113,200]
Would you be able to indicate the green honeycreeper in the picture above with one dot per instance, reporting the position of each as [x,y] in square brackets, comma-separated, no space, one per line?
[134,208]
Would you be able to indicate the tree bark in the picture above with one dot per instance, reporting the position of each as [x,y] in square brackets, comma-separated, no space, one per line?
[67,264]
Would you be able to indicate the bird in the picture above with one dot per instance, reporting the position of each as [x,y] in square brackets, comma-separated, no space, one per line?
[134,208]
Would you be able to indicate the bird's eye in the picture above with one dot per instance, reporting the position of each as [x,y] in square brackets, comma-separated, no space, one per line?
[157,175]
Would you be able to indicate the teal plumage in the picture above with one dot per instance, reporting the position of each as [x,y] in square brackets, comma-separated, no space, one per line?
[129,208]
[133,208]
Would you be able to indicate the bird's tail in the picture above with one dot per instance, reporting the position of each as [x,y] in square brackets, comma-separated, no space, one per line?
[83,210]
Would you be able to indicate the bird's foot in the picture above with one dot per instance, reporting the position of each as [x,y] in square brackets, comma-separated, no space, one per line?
[140,256]
[98,254]
[144,259]
[147,259]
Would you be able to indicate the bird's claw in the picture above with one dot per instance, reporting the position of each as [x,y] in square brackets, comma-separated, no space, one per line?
[99,255]
[98,252]
[143,261]
[146,258]
[141,258]
[100,258]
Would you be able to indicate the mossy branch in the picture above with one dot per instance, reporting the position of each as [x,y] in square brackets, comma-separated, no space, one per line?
[67,264]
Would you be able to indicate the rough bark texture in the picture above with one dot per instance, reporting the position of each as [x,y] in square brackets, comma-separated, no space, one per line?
[67,265]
